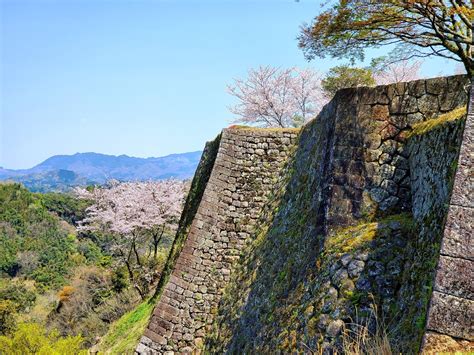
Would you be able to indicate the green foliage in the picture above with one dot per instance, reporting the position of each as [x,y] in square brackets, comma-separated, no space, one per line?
[33,242]
[40,254]
[33,338]
[78,309]
[22,297]
[8,247]
[346,28]
[344,76]
[124,334]
[120,279]
[7,317]
[92,252]
[65,206]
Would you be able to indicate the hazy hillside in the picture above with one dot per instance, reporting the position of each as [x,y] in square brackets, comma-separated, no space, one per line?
[55,180]
[60,172]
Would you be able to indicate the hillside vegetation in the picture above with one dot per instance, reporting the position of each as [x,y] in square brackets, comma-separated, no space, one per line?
[60,288]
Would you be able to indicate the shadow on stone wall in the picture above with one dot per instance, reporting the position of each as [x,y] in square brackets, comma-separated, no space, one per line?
[343,240]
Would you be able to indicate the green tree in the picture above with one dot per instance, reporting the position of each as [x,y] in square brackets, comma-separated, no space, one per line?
[34,243]
[33,338]
[344,76]
[427,27]
[66,206]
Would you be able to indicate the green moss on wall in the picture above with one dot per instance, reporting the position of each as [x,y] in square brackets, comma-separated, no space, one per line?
[302,280]
[437,122]
[434,151]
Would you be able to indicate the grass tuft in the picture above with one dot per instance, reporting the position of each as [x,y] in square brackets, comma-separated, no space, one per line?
[357,339]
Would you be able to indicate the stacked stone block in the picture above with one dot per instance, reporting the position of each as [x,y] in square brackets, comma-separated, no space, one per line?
[247,163]
[370,157]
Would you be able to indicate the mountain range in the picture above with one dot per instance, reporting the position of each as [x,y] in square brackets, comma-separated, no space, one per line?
[61,172]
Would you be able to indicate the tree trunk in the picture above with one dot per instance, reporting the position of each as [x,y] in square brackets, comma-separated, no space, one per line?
[129,267]
[134,246]
[140,292]
[157,240]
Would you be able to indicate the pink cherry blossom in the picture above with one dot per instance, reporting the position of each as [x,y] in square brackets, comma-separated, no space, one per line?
[273,97]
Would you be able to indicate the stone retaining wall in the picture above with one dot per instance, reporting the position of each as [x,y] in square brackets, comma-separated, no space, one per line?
[347,240]
[246,165]
[284,259]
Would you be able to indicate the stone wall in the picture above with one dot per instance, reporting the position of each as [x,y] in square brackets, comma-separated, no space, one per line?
[343,248]
[300,240]
[245,168]
[433,153]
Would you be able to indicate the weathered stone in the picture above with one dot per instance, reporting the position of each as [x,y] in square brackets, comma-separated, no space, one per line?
[355,268]
[452,306]
[389,203]
[334,328]
[378,194]
[455,276]
[451,315]
[347,286]
[339,276]
[435,343]
[459,236]
[364,256]
[345,259]
[323,321]
[428,104]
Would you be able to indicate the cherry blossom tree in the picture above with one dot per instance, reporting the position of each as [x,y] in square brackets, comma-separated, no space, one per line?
[404,70]
[273,97]
[132,212]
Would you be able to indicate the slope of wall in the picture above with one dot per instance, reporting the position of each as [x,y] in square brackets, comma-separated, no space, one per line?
[193,200]
[344,244]
[245,168]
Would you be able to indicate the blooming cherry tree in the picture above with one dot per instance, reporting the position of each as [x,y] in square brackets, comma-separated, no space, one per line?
[397,72]
[273,97]
[133,211]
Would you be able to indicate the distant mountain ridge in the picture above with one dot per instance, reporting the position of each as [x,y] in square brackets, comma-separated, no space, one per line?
[85,168]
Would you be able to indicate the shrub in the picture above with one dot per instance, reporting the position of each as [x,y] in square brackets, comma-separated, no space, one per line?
[21,296]
[33,338]
[7,317]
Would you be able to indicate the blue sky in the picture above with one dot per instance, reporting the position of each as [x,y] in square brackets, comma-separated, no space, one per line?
[142,78]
